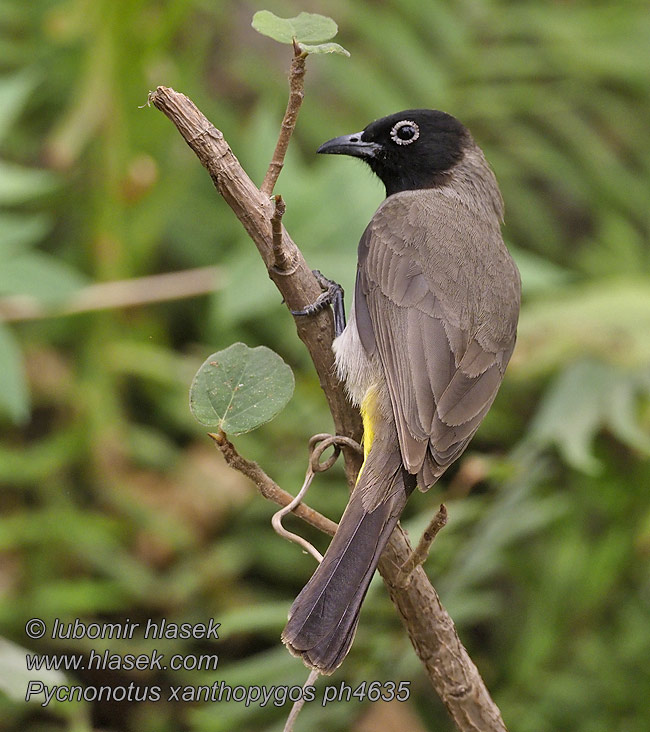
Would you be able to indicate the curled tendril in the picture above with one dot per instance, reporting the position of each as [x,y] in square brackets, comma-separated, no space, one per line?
[317,446]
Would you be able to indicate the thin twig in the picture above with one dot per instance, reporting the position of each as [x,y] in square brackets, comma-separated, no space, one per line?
[282,259]
[421,552]
[295,709]
[268,487]
[117,294]
[296,95]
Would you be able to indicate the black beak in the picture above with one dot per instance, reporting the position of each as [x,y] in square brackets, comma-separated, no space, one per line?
[350,145]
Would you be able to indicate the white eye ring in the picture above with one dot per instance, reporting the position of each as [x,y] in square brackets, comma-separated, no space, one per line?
[398,140]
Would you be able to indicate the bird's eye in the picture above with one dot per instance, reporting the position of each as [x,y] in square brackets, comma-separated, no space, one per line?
[405,132]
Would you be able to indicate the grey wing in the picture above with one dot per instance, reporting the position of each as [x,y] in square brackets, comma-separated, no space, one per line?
[440,309]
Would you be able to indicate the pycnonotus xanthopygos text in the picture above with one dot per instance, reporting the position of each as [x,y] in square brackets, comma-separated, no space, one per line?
[432,328]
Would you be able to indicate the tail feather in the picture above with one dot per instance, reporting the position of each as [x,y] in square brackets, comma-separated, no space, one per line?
[323,618]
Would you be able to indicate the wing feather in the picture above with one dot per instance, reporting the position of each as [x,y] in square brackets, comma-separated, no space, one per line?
[437,297]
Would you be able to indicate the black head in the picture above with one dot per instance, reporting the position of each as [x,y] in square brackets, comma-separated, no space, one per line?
[408,150]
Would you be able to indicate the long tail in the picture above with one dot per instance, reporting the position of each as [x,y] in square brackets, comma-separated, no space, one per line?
[323,618]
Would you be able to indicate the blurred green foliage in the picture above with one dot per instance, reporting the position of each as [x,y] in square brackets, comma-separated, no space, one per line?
[115,505]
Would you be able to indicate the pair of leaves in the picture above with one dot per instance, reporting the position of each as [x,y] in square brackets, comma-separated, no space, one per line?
[309,30]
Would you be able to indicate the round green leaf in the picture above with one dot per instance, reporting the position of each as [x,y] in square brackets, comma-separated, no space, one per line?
[306,27]
[240,388]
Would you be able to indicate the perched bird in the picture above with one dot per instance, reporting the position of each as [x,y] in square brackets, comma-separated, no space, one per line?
[432,328]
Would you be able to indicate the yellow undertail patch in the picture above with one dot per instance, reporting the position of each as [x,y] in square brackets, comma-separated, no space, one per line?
[368,416]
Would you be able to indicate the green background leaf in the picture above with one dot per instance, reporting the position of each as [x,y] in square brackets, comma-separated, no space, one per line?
[240,388]
[18,183]
[586,397]
[19,231]
[14,91]
[14,398]
[40,276]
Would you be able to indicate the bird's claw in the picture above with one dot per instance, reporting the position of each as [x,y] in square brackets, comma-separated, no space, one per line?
[332,295]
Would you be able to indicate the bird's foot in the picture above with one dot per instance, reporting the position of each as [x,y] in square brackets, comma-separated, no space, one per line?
[332,295]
